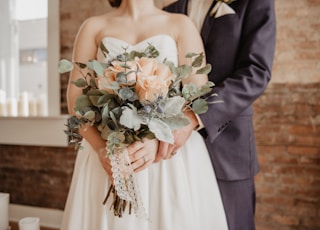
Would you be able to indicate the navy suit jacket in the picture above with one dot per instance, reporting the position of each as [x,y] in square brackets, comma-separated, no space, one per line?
[240,47]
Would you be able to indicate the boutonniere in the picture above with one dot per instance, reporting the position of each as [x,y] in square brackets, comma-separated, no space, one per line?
[221,8]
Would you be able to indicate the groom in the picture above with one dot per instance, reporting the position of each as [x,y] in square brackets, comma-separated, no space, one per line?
[239,39]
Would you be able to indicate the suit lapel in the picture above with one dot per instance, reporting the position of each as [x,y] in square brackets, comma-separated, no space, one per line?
[207,24]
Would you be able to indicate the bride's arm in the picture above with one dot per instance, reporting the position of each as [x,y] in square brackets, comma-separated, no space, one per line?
[188,40]
[85,48]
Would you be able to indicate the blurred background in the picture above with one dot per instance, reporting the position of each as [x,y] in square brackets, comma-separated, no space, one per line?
[287,120]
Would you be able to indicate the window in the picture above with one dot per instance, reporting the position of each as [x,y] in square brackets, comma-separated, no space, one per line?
[30,34]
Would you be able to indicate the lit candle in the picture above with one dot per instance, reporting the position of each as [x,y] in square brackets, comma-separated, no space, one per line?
[29,223]
[4,210]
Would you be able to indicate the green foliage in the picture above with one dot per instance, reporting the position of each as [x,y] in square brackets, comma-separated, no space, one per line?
[115,109]
[65,66]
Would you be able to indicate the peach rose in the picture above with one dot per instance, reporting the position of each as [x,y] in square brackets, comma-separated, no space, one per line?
[149,88]
[117,67]
[106,80]
[153,79]
[147,66]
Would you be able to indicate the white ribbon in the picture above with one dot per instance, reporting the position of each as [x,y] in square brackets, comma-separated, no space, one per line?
[125,182]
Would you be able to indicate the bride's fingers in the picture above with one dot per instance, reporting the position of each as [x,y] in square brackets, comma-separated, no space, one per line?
[134,151]
[162,151]
[142,164]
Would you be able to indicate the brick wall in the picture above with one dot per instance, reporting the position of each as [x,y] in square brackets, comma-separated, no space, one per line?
[287,119]
[36,176]
[287,125]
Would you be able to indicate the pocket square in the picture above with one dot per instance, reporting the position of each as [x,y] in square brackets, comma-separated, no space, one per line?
[221,9]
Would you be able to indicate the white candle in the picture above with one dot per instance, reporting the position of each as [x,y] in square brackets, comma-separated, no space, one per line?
[33,107]
[12,107]
[4,210]
[42,106]
[3,106]
[23,104]
[29,223]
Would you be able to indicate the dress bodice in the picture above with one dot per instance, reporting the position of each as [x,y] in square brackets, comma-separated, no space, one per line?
[165,44]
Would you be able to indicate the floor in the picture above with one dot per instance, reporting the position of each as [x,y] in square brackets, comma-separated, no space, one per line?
[14,226]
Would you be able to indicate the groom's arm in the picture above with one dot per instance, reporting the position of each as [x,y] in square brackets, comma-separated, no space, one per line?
[252,68]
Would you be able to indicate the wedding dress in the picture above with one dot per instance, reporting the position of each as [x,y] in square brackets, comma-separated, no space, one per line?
[178,194]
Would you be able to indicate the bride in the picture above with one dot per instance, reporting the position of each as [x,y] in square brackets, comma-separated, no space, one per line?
[180,193]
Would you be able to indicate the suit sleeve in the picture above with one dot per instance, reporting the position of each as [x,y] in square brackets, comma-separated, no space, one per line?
[252,69]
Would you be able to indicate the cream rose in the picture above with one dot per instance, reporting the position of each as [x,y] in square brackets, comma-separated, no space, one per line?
[153,79]
[118,67]
[106,80]
[111,72]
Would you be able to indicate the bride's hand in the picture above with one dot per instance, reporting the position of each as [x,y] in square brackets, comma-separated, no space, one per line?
[143,153]
[166,150]
[105,162]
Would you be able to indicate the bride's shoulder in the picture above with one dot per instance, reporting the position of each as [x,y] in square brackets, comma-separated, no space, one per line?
[94,24]
[181,21]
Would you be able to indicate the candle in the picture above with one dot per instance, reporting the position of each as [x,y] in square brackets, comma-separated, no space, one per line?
[33,107]
[4,210]
[23,104]
[42,105]
[29,223]
[3,106]
[12,107]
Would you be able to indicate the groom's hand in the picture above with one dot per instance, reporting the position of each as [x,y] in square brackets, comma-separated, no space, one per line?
[166,150]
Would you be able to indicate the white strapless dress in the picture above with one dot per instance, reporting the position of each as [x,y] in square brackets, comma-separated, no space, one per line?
[178,194]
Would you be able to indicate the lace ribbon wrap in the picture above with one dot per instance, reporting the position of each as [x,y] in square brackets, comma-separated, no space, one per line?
[125,182]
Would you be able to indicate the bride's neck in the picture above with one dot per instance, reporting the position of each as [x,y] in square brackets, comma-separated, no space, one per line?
[137,8]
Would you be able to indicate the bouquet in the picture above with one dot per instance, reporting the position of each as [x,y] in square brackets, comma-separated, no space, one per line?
[131,97]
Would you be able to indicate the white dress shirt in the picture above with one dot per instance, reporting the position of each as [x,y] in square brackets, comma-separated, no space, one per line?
[197,11]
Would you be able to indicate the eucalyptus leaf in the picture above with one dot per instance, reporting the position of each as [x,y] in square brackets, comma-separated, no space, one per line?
[94,92]
[65,66]
[197,62]
[176,122]
[105,132]
[173,105]
[105,98]
[104,50]
[190,55]
[171,66]
[189,91]
[81,65]
[82,102]
[183,71]
[95,100]
[97,67]
[204,70]
[93,83]
[151,51]
[206,88]
[200,106]
[105,114]
[125,93]
[90,115]
[121,77]
[80,82]
[161,130]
